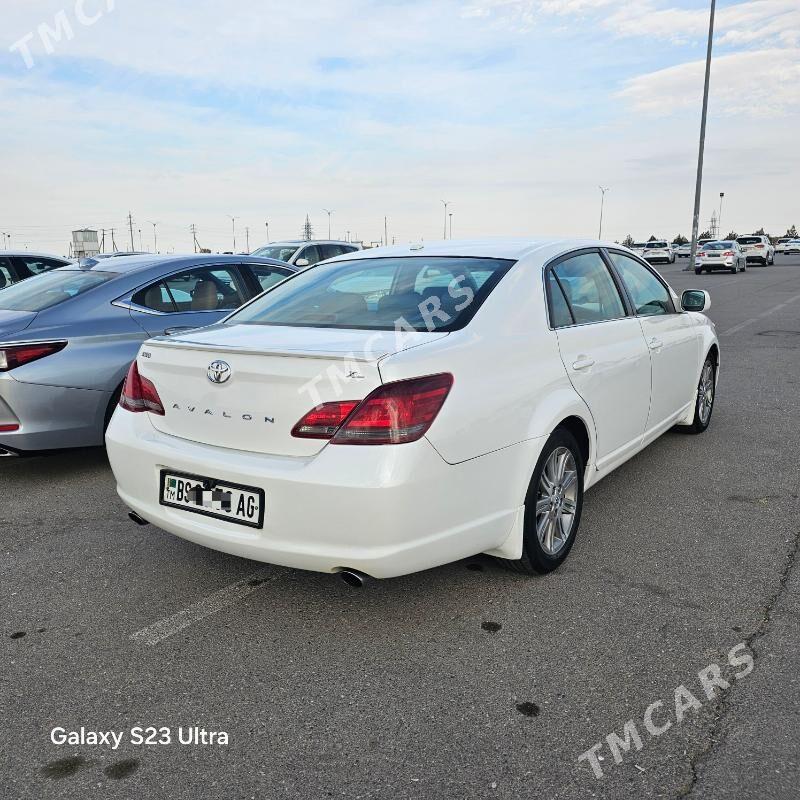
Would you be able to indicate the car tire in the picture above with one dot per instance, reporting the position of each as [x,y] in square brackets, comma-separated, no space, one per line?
[704,401]
[557,484]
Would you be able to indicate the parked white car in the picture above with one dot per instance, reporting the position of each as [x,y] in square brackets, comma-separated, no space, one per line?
[727,255]
[757,248]
[304,254]
[659,252]
[781,243]
[791,246]
[405,407]
[682,250]
[638,247]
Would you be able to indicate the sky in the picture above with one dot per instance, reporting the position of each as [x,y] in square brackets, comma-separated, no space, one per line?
[513,111]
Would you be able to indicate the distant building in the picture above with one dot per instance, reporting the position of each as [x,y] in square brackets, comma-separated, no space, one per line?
[85,244]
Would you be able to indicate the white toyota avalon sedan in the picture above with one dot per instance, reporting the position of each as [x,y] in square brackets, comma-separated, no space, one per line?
[401,408]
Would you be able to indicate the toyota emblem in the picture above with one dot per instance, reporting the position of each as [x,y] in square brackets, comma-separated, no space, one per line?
[219,372]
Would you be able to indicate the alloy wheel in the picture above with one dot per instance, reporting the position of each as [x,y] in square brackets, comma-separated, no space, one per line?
[556,501]
[705,393]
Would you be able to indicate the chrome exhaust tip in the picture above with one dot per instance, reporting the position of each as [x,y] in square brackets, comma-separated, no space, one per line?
[137,519]
[7,453]
[353,578]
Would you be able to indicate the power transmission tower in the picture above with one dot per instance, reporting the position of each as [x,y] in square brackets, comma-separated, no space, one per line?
[114,247]
[308,230]
[130,225]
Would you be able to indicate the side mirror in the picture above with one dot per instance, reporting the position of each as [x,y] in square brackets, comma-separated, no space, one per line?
[301,262]
[695,300]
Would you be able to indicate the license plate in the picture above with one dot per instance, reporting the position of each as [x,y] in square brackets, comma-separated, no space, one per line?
[219,499]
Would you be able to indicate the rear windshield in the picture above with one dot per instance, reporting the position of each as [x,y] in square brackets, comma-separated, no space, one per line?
[654,245]
[49,289]
[718,246]
[415,293]
[749,240]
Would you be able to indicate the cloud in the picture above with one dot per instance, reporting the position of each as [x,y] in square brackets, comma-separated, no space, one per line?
[764,84]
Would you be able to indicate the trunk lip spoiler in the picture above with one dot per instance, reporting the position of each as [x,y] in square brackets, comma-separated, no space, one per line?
[174,342]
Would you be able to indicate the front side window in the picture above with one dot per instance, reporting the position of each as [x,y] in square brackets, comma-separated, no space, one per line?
[280,252]
[311,254]
[380,294]
[650,297]
[589,289]
[50,289]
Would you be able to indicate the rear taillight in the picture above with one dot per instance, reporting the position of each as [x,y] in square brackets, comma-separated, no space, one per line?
[759,247]
[728,253]
[9,428]
[394,413]
[324,420]
[139,394]
[15,355]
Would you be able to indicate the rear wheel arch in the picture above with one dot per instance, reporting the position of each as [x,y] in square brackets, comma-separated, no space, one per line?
[580,432]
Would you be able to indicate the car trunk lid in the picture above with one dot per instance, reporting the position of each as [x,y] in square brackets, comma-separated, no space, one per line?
[12,322]
[244,387]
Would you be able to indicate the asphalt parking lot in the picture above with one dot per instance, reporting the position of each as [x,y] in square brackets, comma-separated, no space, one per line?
[464,681]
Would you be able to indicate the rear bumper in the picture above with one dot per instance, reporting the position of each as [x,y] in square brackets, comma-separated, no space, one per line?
[385,511]
[50,417]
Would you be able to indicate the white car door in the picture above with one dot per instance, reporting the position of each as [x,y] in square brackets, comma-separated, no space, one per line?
[671,337]
[603,351]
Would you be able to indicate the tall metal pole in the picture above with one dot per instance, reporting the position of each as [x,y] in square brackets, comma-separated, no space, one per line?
[603,190]
[267,224]
[451,224]
[155,238]
[328,212]
[719,218]
[445,203]
[233,223]
[701,150]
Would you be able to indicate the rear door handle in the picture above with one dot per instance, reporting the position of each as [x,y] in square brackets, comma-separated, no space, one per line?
[583,363]
[655,343]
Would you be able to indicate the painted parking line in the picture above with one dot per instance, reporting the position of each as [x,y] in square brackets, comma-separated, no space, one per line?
[164,628]
[768,313]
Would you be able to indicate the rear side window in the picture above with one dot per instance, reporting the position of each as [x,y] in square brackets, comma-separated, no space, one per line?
[205,289]
[650,297]
[413,293]
[589,289]
[560,315]
[155,298]
[266,276]
[6,278]
[51,289]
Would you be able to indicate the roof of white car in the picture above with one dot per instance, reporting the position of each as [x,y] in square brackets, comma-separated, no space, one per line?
[476,248]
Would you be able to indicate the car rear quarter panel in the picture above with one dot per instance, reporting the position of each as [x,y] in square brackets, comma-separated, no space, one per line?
[510,384]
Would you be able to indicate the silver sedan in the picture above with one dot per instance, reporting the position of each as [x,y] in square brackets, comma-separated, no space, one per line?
[726,254]
[67,337]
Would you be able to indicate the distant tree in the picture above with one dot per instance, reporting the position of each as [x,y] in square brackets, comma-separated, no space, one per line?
[706,235]
[792,232]
[732,235]
[760,232]
[652,238]
[308,230]
[628,241]
[680,239]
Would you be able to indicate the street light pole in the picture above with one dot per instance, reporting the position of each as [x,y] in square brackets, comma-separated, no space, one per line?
[445,203]
[233,222]
[451,224]
[603,190]
[155,239]
[329,212]
[719,218]
[701,149]
[267,224]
